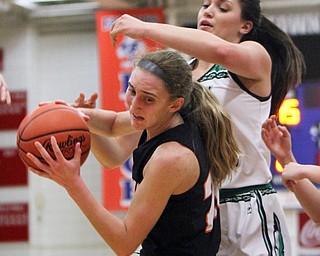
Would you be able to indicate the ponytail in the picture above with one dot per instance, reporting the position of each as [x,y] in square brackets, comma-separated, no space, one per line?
[201,108]
[287,61]
[216,130]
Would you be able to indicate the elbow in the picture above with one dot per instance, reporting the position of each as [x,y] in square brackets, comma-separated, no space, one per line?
[122,253]
[109,165]
[124,250]
[315,219]
[221,55]
[313,214]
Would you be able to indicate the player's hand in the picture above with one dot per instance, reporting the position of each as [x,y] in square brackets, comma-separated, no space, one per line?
[82,102]
[128,26]
[83,115]
[278,140]
[289,184]
[293,171]
[4,91]
[62,171]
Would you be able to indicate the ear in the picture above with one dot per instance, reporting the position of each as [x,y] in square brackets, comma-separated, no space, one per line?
[246,27]
[176,104]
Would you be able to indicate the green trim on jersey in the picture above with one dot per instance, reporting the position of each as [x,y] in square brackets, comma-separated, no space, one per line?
[245,193]
[216,72]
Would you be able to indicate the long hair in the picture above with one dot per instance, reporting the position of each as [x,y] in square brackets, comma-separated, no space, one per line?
[202,109]
[287,61]
[217,132]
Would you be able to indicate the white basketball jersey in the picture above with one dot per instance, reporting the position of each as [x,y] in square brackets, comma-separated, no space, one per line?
[248,112]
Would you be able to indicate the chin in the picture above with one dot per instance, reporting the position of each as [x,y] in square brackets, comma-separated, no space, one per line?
[136,126]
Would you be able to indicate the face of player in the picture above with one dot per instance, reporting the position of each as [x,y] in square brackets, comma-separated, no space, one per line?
[149,102]
[222,18]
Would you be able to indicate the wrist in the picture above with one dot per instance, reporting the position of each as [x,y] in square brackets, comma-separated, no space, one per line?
[74,189]
[284,160]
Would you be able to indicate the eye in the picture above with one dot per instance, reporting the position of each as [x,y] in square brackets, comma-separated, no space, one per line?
[206,4]
[222,9]
[148,100]
[131,90]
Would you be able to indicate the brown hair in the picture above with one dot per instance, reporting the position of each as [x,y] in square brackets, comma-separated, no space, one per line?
[201,108]
[287,61]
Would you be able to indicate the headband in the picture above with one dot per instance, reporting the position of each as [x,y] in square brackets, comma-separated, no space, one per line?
[156,70]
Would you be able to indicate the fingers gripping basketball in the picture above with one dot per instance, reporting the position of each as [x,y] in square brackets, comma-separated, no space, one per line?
[61,121]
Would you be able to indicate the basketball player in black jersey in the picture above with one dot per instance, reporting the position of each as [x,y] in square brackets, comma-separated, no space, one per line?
[183,147]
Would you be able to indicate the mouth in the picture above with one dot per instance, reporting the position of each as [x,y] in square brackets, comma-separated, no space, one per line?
[205,24]
[137,118]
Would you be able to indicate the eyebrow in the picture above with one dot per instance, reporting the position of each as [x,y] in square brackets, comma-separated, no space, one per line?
[145,92]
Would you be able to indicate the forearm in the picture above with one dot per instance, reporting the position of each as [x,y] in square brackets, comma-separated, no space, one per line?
[112,152]
[106,151]
[309,197]
[193,42]
[312,172]
[111,228]
[107,122]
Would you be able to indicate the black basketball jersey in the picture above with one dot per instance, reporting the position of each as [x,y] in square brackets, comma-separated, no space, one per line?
[190,223]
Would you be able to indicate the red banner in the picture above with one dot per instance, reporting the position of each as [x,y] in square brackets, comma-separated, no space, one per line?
[12,170]
[12,114]
[14,224]
[116,64]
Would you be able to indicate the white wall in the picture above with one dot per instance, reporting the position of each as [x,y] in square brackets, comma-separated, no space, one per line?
[54,66]
[50,67]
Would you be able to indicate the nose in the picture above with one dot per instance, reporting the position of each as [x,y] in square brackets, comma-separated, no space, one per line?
[208,12]
[134,103]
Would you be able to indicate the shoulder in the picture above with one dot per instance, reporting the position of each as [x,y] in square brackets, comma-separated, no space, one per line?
[172,154]
[256,49]
[175,163]
[255,75]
[252,45]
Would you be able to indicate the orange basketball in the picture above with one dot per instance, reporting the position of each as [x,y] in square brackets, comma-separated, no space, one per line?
[58,120]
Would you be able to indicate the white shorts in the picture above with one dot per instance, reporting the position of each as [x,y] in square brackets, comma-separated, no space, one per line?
[252,223]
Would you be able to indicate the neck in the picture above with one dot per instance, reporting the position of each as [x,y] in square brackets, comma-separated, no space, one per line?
[201,68]
[173,122]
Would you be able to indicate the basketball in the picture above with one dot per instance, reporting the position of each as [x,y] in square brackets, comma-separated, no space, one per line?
[58,120]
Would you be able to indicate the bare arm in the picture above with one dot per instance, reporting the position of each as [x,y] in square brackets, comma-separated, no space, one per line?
[112,152]
[200,44]
[295,177]
[112,137]
[103,122]
[108,123]
[306,193]
[308,196]
[162,177]
[295,171]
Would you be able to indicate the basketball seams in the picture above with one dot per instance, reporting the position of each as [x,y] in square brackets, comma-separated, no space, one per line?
[53,132]
[41,158]
[66,125]
[44,112]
